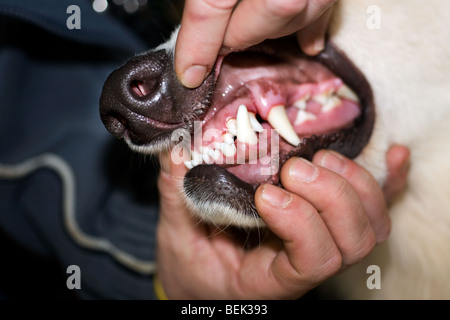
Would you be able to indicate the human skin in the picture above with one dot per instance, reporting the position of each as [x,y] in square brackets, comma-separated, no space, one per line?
[210,28]
[330,215]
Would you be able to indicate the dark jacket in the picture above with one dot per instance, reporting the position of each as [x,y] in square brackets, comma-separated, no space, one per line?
[69,191]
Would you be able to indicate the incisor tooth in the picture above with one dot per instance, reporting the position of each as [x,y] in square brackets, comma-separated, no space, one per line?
[228,138]
[206,158]
[231,126]
[347,93]
[229,150]
[188,164]
[215,154]
[278,119]
[245,132]
[255,123]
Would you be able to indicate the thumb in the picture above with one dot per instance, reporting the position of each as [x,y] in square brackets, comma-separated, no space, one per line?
[170,185]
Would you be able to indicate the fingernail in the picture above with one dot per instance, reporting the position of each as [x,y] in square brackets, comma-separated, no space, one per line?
[301,170]
[319,44]
[276,197]
[194,76]
[334,161]
[225,50]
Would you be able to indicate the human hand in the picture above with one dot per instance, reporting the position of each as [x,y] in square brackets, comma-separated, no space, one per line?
[209,26]
[319,226]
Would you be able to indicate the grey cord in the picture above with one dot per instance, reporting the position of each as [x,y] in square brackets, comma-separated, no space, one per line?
[60,166]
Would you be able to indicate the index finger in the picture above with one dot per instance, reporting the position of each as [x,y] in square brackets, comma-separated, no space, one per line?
[200,38]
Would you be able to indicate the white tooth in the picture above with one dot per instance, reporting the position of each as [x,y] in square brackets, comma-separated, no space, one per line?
[331,103]
[228,138]
[323,97]
[229,150]
[195,163]
[217,145]
[188,164]
[196,158]
[245,132]
[206,157]
[347,93]
[278,119]
[255,123]
[301,103]
[215,154]
[232,127]
[303,116]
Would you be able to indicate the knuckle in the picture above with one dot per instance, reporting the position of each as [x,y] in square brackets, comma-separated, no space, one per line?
[318,273]
[360,249]
[221,4]
[342,189]
[286,8]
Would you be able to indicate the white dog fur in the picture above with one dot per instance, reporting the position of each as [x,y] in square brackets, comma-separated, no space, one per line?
[407,62]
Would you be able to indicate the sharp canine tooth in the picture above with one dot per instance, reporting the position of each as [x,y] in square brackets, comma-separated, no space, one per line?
[347,93]
[278,119]
[232,127]
[245,132]
[255,123]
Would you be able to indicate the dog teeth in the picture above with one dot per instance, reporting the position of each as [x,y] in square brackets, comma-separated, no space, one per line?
[301,103]
[331,103]
[303,116]
[232,126]
[328,100]
[229,150]
[255,123]
[188,164]
[346,93]
[214,154]
[228,138]
[245,131]
[278,119]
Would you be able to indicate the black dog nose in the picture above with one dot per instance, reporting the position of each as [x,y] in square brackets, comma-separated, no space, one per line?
[144,98]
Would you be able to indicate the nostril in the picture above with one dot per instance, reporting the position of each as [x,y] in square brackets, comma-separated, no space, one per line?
[142,88]
[116,124]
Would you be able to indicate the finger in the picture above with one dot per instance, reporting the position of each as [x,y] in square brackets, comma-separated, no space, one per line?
[338,204]
[253,21]
[366,187]
[398,161]
[310,253]
[200,38]
[170,186]
[312,38]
